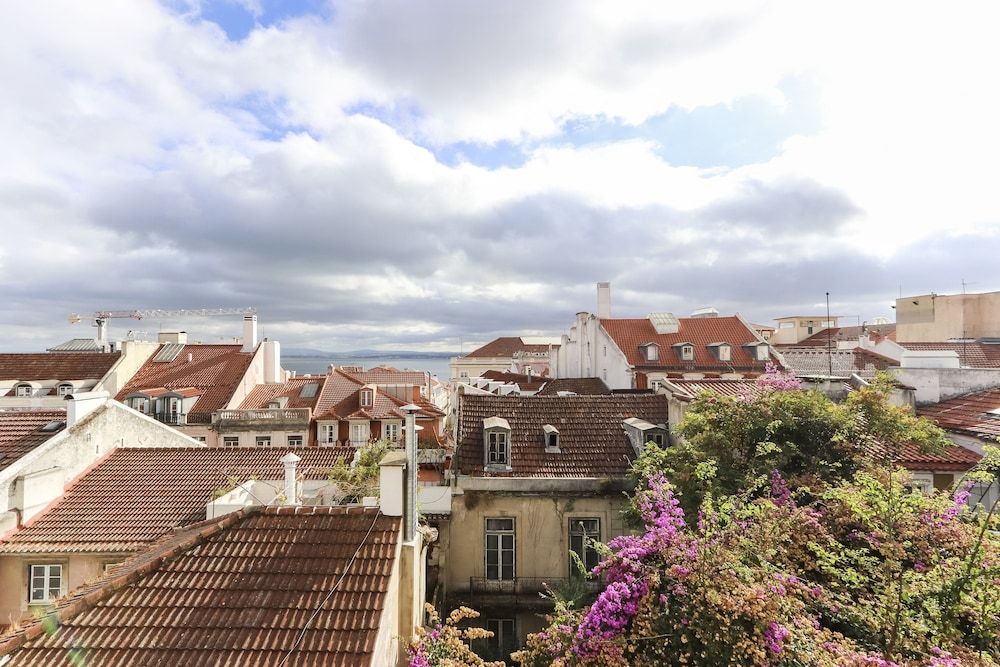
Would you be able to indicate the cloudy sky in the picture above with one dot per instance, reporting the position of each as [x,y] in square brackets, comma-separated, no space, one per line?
[432,174]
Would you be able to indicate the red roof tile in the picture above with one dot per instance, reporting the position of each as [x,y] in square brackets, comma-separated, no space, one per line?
[587,386]
[341,399]
[506,346]
[816,361]
[263,394]
[389,375]
[243,590]
[217,369]
[135,495]
[20,432]
[972,414]
[592,440]
[971,353]
[953,458]
[700,332]
[56,365]
[691,388]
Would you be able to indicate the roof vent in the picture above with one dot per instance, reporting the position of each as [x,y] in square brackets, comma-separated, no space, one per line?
[664,323]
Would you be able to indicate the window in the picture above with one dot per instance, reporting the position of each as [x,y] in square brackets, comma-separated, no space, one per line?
[200,438]
[46,582]
[463,374]
[658,439]
[504,639]
[605,374]
[498,450]
[687,352]
[605,350]
[763,354]
[655,384]
[725,353]
[551,435]
[366,398]
[140,403]
[328,433]
[787,325]
[65,389]
[263,441]
[295,441]
[360,434]
[274,405]
[391,431]
[582,535]
[23,390]
[500,549]
[231,441]
[652,352]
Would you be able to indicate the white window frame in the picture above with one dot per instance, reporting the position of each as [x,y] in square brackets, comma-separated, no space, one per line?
[391,431]
[230,441]
[64,389]
[361,433]
[725,353]
[652,352]
[45,572]
[497,447]
[328,434]
[763,354]
[23,390]
[301,440]
[367,398]
[497,529]
[687,352]
[143,404]
[262,441]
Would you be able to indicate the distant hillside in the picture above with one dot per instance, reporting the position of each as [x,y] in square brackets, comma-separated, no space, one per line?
[306,352]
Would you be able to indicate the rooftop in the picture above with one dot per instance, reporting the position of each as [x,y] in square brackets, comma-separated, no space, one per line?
[976,414]
[817,361]
[135,495]
[22,430]
[296,390]
[389,375]
[954,457]
[845,334]
[56,365]
[246,589]
[216,369]
[719,387]
[340,399]
[974,354]
[507,346]
[592,441]
[700,332]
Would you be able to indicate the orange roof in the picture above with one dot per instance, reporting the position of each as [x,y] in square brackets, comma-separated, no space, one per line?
[216,369]
[953,458]
[389,375]
[976,414]
[506,346]
[340,399]
[970,353]
[21,431]
[248,589]
[56,365]
[135,495]
[263,394]
[700,332]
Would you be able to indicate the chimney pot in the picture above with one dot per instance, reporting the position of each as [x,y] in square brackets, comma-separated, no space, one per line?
[290,461]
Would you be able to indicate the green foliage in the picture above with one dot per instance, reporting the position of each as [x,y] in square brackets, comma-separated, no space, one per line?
[361,479]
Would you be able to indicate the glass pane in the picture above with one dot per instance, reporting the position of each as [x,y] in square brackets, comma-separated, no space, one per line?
[491,557]
[507,557]
[507,541]
[492,572]
[507,572]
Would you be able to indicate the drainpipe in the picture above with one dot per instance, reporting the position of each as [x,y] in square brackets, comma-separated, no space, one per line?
[410,505]
[290,460]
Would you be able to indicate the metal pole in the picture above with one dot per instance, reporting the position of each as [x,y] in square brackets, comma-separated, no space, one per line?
[410,505]
[829,352]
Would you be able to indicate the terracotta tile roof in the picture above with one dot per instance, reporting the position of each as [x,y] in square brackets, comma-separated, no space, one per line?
[263,394]
[340,399]
[506,346]
[56,365]
[389,375]
[814,361]
[241,590]
[972,353]
[845,334]
[691,388]
[971,414]
[954,458]
[217,369]
[592,440]
[583,386]
[135,495]
[522,380]
[700,332]
[20,432]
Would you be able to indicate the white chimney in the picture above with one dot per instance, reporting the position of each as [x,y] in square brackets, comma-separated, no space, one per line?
[272,361]
[604,300]
[81,404]
[290,460]
[391,483]
[249,332]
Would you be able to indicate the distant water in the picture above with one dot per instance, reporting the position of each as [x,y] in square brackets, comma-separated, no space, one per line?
[319,365]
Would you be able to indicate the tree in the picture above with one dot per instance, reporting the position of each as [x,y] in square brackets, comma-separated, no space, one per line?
[359,478]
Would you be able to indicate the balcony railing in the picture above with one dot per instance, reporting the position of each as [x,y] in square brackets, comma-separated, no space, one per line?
[175,418]
[522,585]
[275,417]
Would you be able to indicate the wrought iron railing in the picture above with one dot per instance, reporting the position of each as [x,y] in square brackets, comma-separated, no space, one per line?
[522,585]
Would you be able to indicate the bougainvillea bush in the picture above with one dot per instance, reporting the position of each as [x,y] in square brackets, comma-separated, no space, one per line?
[823,559]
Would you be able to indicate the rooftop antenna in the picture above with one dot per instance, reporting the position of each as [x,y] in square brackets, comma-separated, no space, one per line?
[829,352]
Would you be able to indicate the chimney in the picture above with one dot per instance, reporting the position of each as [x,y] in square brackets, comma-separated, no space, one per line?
[290,460]
[173,337]
[272,361]
[410,497]
[81,404]
[604,300]
[391,487]
[527,371]
[190,357]
[249,332]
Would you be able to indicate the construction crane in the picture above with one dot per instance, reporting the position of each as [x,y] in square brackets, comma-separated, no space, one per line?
[101,317]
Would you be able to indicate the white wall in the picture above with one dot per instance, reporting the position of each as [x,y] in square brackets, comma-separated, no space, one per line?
[588,351]
[939,384]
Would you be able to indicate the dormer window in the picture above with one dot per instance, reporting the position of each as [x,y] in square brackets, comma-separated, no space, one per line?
[22,390]
[64,389]
[140,403]
[650,351]
[725,352]
[367,397]
[551,435]
[278,404]
[763,353]
[496,437]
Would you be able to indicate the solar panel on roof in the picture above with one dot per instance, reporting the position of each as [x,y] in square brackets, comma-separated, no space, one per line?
[169,352]
[664,322]
[309,390]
